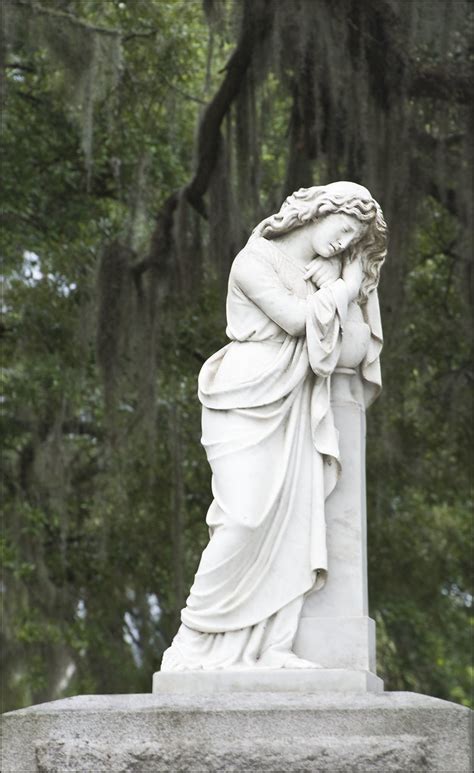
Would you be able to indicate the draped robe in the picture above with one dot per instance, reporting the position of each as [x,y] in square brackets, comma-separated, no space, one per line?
[270,439]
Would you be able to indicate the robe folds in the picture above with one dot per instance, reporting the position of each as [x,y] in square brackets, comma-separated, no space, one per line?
[270,439]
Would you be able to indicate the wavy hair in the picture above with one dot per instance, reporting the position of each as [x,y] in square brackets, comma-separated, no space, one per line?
[309,204]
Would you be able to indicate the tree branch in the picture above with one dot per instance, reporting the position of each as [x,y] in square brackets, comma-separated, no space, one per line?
[135,35]
[446,83]
[256,23]
[178,90]
[18,66]
[35,8]
[160,240]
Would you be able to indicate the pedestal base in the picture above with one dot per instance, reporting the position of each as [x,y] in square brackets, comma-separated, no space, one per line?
[237,733]
[300,681]
[337,642]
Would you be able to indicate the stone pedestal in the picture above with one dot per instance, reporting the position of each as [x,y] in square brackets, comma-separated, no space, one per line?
[258,680]
[237,733]
[335,629]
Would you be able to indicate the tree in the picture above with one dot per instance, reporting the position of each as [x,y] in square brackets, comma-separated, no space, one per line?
[120,221]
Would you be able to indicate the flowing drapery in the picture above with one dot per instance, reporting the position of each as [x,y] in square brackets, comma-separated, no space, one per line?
[271,442]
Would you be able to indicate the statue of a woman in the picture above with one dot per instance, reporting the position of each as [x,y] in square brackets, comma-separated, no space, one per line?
[303,285]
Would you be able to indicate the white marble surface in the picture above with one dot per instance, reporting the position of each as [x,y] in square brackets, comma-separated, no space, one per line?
[345,593]
[305,682]
[302,302]
[338,642]
[334,626]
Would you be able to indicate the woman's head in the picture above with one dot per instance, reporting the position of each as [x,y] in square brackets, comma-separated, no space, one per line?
[361,232]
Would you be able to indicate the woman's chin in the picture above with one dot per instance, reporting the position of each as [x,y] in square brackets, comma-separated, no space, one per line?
[325,252]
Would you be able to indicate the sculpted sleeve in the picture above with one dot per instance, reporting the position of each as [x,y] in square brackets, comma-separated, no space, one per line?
[258,279]
[320,316]
[324,324]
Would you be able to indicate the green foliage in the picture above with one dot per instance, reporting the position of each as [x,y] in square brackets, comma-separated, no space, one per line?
[420,505]
[104,505]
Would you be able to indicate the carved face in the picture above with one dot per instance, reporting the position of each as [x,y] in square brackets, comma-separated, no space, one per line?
[332,234]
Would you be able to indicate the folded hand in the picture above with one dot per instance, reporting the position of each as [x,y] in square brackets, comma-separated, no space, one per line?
[324,271]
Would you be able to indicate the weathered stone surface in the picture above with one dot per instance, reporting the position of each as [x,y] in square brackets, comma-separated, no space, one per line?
[321,733]
[324,755]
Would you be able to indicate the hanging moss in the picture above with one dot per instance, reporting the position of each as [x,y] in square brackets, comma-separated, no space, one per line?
[115,294]
[88,58]
[355,74]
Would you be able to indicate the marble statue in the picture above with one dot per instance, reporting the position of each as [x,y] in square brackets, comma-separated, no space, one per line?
[302,304]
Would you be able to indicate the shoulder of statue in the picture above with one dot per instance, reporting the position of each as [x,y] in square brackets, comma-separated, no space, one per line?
[257,253]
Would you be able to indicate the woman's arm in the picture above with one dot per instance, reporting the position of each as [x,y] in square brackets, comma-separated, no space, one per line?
[352,274]
[259,281]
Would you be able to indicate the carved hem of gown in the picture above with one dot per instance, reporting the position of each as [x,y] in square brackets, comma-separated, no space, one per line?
[264,645]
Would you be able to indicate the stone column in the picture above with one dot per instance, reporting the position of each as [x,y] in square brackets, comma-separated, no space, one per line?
[335,629]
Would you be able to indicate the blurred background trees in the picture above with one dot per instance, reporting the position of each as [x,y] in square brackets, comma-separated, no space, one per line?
[142,140]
